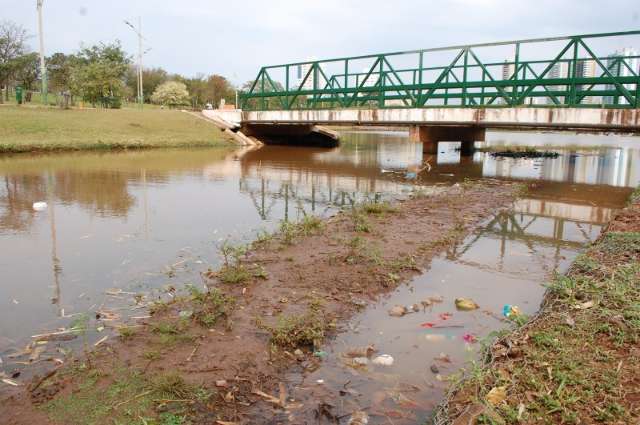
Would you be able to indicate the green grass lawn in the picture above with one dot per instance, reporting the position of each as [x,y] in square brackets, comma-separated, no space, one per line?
[26,129]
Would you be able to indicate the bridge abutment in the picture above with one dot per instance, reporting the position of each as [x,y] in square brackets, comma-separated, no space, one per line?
[431,135]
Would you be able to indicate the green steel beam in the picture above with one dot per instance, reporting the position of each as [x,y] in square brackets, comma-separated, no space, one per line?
[408,88]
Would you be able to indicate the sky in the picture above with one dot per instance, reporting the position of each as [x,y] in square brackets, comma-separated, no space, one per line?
[235,38]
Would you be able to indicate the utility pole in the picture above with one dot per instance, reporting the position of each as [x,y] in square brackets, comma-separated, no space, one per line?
[138,31]
[43,68]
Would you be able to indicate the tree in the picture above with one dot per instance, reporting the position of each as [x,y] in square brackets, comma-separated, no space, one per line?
[218,88]
[59,69]
[151,79]
[171,93]
[27,70]
[98,76]
[13,40]
[197,87]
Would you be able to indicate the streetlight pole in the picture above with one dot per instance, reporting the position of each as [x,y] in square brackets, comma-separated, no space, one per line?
[43,68]
[138,31]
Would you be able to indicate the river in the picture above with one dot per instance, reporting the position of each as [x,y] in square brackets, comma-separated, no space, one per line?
[121,229]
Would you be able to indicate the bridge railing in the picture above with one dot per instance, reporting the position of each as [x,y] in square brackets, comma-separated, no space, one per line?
[548,72]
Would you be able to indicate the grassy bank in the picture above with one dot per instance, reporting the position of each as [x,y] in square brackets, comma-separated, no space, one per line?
[27,129]
[576,361]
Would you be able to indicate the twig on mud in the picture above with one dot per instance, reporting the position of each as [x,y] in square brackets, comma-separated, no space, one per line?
[41,380]
[267,397]
[132,399]
[193,352]
[167,400]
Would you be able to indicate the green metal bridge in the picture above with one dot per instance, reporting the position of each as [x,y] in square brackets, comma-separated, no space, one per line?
[573,72]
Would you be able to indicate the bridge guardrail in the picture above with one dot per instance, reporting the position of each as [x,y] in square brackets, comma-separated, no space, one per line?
[571,75]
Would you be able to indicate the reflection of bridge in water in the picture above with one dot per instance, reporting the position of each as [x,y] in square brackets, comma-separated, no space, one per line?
[537,225]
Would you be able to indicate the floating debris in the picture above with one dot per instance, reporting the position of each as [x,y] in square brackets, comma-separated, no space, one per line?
[383,360]
[39,206]
[360,351]
[360,361]
[358,418]
[466,304]
[497,395]
[469,338]
[435,337]
[398,311]
[511,311]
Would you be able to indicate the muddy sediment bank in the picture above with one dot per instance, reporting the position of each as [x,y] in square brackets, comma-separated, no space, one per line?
[576,361]
[219,354]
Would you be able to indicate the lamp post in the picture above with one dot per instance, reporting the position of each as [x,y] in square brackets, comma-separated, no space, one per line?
[43,68]
[141,53]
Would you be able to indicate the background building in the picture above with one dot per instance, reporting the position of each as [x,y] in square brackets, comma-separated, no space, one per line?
[620,70]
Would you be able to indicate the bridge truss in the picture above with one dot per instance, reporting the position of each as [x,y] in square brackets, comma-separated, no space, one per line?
[576,71]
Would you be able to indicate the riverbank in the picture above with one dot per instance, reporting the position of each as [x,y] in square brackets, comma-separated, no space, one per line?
[222,354]
[33,129]
[576,360]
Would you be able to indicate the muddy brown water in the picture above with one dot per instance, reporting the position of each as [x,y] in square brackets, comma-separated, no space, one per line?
[121,224]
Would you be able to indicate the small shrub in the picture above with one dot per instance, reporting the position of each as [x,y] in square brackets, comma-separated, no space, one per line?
[293,331]
[126,332]
[210,306]
[378,208]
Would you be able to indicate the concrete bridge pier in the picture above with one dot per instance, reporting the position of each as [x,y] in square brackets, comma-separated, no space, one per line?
[430,135]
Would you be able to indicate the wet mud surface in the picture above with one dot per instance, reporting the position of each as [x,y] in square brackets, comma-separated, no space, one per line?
[335,271]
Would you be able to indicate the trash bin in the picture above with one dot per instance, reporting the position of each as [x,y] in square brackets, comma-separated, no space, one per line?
[19,95]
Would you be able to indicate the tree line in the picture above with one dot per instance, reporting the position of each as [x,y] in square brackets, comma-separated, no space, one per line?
[102,75]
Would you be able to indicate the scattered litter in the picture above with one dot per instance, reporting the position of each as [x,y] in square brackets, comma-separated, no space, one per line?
[360,361]
[268,397]
[360,351]
[443,358]
[107,315]
[10,382]
[320,354]
[398,311]
[101,340]
[521,409]
[383,360]
[435,337]
[15,301]
[432,325]
[466,304]
[320,381]
[585,305]
[299,354]
[569,321]
[35,354]
[140,317]
[413,308]
[358,418]
[117,291]
[221,383]
[39,206]
[434,369]
[497,395]
[100,328]
[469,338]
[445,316]
[511,311]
